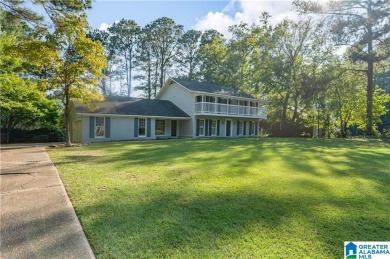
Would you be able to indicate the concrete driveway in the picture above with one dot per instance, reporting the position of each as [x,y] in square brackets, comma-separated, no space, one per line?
[37,217]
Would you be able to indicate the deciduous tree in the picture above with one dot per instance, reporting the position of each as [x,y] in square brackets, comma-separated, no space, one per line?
[364,26]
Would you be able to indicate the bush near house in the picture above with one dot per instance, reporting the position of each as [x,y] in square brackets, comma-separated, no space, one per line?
[35,136]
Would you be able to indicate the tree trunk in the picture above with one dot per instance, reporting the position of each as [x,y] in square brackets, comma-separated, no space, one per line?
[161,75]
[7,134]
[149,81]
[127,75]
[68,141]
[284,111]
[370,72]
[370,94]
[104,85]
[130,70]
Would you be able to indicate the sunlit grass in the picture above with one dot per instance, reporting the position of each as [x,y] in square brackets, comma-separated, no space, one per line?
[263,198]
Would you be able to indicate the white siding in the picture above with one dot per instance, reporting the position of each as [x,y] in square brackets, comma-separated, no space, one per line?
[121,128]
[183,99]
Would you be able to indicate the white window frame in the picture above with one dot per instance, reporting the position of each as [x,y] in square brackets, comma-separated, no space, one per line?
[241,128]
[102,126]
[214,128]
[203,128]
[156,128]
[146,127]
[253,129]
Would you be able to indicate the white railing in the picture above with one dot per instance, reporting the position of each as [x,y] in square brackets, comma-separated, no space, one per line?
[230,109]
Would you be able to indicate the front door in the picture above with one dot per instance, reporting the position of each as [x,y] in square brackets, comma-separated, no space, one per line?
[173,128]
[228,128]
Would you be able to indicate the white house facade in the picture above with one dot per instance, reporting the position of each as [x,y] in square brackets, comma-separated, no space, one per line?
[182,109]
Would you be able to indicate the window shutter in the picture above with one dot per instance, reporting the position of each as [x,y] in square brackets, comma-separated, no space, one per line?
[91,127]
[218,127]
[149,127]
[206,128]
[108,127]
[197,127]
[256,127]
[136,127]
[238,128]
[244,127]
[210,126]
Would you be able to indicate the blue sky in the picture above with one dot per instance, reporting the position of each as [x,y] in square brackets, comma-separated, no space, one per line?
[200,15]
[143,12]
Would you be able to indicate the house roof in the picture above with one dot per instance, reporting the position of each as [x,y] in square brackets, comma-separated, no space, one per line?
[212,88]
[134,106]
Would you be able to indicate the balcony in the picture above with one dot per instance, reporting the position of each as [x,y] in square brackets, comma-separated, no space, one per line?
[209,108]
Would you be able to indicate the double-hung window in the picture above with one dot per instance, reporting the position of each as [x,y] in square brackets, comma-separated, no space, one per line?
[99,127]
[252,128]
[201,127]
[214,128]
[160,127]
[241,128]
[142,128]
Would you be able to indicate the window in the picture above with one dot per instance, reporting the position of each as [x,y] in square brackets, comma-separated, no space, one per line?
[233,102]
[252,128]
[221,100]
[213,127]
[99,127]
[241,128]
[209,99]
[201,127]
[142,128]
[198,99]
[160,127]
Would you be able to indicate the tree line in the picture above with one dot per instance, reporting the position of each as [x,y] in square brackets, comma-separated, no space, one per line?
[295,64]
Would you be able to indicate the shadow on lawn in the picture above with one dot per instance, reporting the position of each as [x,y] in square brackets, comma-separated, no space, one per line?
[243,153]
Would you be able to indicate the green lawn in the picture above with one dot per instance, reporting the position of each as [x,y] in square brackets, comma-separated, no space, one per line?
[228,198]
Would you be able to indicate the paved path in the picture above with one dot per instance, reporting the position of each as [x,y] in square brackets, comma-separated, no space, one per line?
[37,217]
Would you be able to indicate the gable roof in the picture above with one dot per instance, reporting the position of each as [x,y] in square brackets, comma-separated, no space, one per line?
[211,88]
[134,106]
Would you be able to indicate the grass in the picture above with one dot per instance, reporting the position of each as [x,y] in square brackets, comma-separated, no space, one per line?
[228,198]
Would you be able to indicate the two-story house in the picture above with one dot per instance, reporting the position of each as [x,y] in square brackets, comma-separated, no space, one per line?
[182,108]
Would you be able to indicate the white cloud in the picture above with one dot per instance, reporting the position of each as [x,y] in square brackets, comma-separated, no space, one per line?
[103,26]
[215,20]
[248,11]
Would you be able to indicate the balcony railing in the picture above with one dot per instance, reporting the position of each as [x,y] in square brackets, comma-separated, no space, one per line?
[230,109]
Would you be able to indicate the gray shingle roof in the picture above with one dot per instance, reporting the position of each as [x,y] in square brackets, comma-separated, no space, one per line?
[212,88]
[134,106]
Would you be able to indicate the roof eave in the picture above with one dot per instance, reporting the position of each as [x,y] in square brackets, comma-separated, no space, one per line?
[132,115]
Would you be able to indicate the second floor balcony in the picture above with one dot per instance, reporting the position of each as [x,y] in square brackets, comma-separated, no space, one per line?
[230,109]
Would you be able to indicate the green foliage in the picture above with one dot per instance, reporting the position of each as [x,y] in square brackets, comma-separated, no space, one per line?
[23,105]
[187,55]
[78,67]
[124,41]
[164,34]
[212,53]
[364,26]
